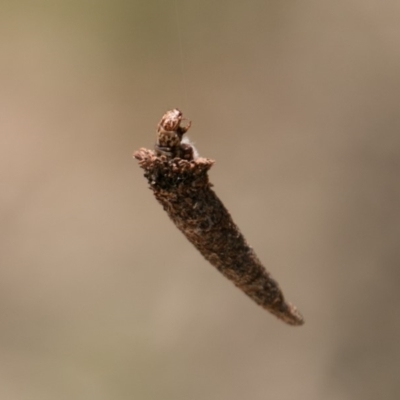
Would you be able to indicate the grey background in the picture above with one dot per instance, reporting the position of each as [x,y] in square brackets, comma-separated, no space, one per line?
[101,297]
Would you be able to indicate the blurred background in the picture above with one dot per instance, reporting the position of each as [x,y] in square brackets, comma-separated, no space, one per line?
[101,297]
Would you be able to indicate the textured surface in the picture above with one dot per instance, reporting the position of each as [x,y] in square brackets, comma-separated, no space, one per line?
[183,189]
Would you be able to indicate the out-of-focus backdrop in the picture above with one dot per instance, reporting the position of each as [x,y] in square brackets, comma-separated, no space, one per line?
[101,297]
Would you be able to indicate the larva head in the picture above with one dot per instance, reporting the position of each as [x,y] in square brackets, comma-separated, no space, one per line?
[171,120]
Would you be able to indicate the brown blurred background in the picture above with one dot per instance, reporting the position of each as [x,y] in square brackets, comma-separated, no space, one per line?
[101,297]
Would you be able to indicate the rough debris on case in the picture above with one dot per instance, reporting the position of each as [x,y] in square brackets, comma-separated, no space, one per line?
[179,181]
